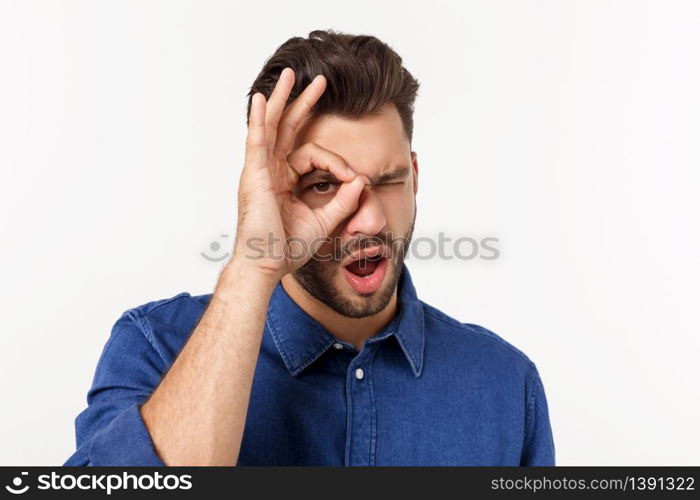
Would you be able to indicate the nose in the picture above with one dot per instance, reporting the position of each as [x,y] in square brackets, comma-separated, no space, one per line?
[369,217]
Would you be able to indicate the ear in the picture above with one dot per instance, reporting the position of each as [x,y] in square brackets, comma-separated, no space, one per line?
[414,162]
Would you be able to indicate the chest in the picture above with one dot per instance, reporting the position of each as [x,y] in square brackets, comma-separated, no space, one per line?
[333,414]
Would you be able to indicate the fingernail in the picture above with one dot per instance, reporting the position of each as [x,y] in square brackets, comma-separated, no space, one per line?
[350,172]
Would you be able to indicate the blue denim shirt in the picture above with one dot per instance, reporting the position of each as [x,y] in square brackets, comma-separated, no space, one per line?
[426,390]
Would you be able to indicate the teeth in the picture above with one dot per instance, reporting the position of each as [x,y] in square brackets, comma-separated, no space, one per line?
[373,254]
[363,260]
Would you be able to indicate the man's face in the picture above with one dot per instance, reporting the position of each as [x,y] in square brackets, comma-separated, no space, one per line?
[381,227]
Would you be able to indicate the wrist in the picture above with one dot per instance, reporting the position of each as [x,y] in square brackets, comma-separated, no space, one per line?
[241,273]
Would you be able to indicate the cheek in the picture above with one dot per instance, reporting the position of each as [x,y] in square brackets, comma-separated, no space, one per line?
[398,207]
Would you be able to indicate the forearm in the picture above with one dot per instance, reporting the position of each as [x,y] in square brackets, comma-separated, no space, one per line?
[197,414]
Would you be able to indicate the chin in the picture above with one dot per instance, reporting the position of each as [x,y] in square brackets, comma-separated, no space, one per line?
[358,297]
[328,283]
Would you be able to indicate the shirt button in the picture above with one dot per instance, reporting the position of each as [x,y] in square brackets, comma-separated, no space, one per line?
[359,374]
[338,345]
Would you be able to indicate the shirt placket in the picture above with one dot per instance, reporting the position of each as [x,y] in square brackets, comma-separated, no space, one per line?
[361,424]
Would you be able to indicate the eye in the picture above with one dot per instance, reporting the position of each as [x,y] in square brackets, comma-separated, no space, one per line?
[323,187]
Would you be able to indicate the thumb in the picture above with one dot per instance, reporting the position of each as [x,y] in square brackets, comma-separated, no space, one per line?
[343,204]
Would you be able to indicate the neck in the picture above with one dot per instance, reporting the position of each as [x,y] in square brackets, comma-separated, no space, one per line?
[352,330]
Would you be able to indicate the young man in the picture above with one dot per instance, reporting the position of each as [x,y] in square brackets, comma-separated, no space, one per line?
[314,348]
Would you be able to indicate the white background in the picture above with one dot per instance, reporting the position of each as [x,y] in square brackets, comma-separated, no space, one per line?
[568,130]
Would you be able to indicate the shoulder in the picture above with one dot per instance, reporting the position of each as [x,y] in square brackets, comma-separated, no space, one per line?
[178,307]
[473,341]
[166,323]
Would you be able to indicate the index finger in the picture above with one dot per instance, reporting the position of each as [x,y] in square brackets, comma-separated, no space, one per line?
[295,114]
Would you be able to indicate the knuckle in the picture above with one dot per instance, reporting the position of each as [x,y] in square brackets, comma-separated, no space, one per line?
[308,147]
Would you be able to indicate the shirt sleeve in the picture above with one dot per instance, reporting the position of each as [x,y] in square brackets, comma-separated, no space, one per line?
[111,431]
[538,448]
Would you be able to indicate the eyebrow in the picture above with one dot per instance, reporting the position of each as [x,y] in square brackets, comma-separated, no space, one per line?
[325,176]
[399,173]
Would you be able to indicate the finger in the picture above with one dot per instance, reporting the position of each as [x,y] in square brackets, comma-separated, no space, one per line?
[255,149]
[294,115]
[311,156]
[276,105]
[341,206]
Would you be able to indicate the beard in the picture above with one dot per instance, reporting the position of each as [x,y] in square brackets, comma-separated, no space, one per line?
[317,277]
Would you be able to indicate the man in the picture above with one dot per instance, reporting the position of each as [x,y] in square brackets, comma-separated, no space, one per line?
[314,348]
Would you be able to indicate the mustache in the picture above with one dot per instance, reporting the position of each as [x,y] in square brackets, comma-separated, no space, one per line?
[338,250]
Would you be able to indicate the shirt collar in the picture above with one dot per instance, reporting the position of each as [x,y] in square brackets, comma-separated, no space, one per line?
[300,339]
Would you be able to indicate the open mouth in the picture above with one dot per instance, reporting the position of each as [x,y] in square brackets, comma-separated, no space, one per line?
[365,273]
[365,266]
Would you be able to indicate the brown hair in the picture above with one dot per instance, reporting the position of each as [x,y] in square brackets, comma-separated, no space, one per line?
[362,72]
